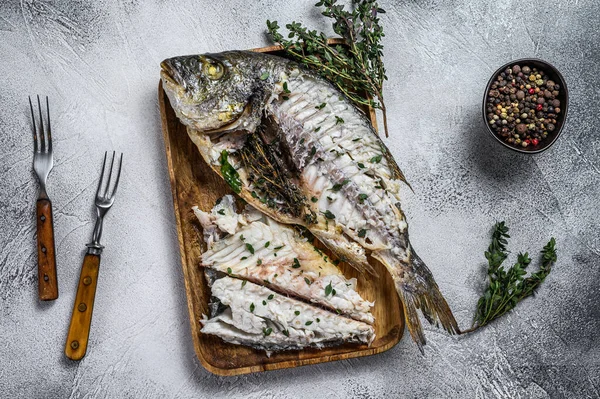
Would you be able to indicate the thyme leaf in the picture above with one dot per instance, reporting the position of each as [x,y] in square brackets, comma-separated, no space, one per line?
[356,69]
[506,288]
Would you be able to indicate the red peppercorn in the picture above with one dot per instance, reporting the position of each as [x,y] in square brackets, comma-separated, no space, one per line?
[539,107]
[531,91]
[535,141]
[527,141]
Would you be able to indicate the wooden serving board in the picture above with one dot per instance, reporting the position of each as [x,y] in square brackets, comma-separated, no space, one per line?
[193,182]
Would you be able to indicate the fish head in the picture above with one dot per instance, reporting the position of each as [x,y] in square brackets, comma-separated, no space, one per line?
[209,92]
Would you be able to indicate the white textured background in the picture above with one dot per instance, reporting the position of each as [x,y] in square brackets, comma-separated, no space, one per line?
[99,63]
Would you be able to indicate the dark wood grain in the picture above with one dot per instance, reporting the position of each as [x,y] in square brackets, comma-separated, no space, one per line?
[193,182]
[47,280]
[81,319]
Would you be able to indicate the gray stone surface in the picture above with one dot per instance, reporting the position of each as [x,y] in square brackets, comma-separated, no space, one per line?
[99,63]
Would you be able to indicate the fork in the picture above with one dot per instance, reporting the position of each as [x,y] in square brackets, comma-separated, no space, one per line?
[42,165]
[81,318]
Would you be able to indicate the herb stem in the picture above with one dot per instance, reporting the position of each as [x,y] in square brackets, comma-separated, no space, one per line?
[507,288]
[356,69]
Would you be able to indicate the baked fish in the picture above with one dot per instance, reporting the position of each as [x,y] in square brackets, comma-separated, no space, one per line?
[252,315]
[254,247]
[292,145]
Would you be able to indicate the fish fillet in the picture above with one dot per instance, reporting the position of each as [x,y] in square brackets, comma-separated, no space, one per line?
[253,246]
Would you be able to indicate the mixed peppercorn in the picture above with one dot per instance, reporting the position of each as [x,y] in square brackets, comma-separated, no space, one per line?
[522,106]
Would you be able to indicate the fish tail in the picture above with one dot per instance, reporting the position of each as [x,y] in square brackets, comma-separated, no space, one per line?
[418,290]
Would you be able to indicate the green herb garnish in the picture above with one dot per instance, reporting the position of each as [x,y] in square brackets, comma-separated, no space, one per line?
[362,197]
[221,211]
[264,76]
[308,282]
[507,288]
[338,120]
[230,175]
[328,214]
[267,331]
[286,333]
[267,244]
[338,186]
[270,297]
[321,106]
[244,283]
[259,262]
[252,307]
[314,199]
[362,233]
[361,165]
[355,68]
[328,289]
[376,159]
[229,270]
[297,313]
[296,264]
[308,323]
[250,248]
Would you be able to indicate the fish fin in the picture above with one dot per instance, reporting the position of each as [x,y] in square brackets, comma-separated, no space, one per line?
[396,171]
[346,250]
[418,290]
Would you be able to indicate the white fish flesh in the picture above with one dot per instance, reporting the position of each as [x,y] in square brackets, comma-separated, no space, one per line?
[253,246]
[256,316]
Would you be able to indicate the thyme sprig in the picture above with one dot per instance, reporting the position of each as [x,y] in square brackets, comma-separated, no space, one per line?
[356,69]
[507,288]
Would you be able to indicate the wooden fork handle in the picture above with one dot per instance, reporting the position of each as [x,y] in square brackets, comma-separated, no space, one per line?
[47,281]
[81,319]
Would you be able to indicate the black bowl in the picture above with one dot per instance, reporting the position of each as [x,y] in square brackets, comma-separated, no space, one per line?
[561,118]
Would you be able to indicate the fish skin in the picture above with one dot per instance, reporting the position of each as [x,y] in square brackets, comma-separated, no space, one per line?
[340,160]
[276,249]
[243,324]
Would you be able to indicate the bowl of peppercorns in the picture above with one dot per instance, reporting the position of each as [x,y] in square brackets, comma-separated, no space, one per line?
[525,105]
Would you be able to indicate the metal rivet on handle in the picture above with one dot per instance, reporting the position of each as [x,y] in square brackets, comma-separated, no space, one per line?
[82,307]
[42,218]
[43,249]
[46,278]
[87,280]
[74,344]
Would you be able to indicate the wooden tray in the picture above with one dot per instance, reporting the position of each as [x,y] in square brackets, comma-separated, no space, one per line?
[195,183]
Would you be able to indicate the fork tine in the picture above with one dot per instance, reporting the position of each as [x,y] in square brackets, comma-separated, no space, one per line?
[118,176]
[101,175]
[42,134]
[112,161]
[49,128]
[35,140]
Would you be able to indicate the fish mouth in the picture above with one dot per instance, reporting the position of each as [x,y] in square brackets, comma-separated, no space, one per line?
[168,73]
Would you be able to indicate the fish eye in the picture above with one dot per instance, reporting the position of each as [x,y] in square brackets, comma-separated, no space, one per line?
[213,70]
